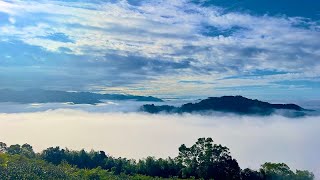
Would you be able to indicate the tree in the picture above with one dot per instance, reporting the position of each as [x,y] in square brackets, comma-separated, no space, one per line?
[98,159]
[27,151]
[207,160]
[84,159]
[304,175]
[53,155]
[249,174]
[277,171]
[3,147]
[14,149]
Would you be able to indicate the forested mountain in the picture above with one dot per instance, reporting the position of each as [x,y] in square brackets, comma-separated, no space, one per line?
[230,104]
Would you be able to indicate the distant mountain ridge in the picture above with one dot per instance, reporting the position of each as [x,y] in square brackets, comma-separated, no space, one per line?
[230,104]
[48,96]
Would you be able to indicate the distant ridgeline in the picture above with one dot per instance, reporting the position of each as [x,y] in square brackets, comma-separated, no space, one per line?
[46,96]
[230,104]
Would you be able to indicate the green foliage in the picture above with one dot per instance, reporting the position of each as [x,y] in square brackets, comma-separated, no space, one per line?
[3,147]
[249,174]
[207,160]
[203,160]
[16,167]
[159,167]
[25,150]
[304,175]
[20,167]
[14,149]
[281,171]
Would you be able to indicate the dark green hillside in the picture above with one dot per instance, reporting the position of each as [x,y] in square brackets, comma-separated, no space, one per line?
[229,104]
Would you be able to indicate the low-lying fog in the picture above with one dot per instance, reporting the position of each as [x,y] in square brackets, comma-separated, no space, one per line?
[252,140]
[106,106]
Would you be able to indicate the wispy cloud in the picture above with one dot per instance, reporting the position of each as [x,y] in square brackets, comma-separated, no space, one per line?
[166,39]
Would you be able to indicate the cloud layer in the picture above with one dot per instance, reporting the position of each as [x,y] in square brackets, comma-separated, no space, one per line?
[252,140]
[137,47]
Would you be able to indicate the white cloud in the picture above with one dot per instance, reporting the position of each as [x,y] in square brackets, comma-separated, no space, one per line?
[12,20]
[252,140]
[173,31]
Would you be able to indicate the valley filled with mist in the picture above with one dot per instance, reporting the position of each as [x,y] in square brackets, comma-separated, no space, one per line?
[121,130]
[160,89]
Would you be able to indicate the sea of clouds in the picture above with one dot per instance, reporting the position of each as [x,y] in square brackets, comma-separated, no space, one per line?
[121,131]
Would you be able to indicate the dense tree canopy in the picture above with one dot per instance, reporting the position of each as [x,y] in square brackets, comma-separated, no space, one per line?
[207,160]
[203,160]
[281,171]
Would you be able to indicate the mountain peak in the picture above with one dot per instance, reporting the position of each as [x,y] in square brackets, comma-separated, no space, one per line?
[229,104]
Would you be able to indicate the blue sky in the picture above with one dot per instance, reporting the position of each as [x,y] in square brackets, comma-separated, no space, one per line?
[266,49]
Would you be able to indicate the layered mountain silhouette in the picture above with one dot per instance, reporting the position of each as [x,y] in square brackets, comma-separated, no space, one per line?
[46,96]
[230,104]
